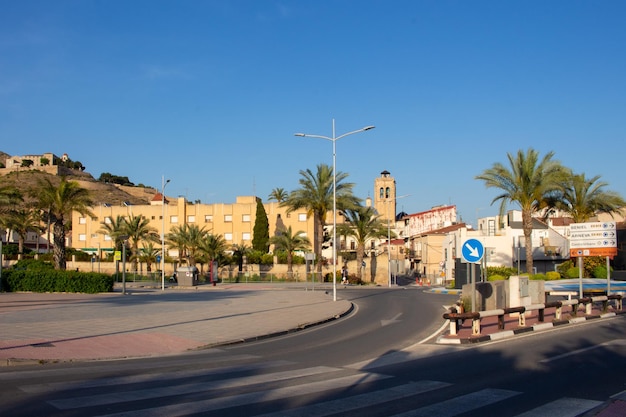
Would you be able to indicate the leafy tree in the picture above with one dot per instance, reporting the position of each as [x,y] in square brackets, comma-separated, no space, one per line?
[583,198]
[290,242]
[363,224]
[316,195]
[27,163]
[115,230]
[260,240]
[532,183]
[278,194]
[60,201]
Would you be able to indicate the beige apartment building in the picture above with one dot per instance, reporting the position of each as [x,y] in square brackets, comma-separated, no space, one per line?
[235,222]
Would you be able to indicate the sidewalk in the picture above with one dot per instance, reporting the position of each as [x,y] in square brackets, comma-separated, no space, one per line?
[38,328]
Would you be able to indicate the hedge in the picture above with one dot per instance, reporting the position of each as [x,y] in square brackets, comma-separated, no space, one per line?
[56,281]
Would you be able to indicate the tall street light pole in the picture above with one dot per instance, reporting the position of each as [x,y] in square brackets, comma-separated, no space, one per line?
[334,139]
[389,236]
[163,184]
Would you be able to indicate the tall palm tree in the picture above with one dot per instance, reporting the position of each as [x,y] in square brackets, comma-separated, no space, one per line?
[290,242]
[363,224]
[316,195]
[187,238]
[138,229]
[584,198]
[60,201]
[115,230]
[21,221]
[278,194]
[533,183]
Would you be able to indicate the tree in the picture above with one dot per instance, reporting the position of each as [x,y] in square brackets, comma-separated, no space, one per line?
[261,231]
[9,195]
[214,247]
[532,183]
[115,229]
[148,253]
[278,194]
[21,221]
[289,242]
[363,224]
[583,198]
[60,201]
[188,239]
[316,195]
[138,229]
[239,252]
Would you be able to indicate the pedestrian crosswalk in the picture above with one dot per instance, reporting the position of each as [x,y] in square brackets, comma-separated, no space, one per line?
[276,389]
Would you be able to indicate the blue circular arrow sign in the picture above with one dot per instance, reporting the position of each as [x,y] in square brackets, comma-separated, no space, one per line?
[472,251]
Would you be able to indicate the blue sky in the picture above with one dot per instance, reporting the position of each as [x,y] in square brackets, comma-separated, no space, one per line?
[210,93]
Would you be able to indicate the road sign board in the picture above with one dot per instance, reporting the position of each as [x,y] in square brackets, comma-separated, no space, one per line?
[472,251]
[593,239]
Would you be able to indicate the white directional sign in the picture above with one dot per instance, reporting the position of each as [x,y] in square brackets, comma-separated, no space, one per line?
[593,239]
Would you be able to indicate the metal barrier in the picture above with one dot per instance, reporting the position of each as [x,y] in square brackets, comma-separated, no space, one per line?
[456,318]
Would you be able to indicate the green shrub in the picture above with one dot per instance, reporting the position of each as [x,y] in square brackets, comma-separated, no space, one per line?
[572,272]
[51,280]
[538,277]
[36,264]
[552,276]
[599,272]
[496,277]
[504,271]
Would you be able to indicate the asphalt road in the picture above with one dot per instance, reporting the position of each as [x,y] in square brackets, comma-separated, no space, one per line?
[368,364]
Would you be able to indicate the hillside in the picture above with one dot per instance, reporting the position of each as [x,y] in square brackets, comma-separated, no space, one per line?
[101,193]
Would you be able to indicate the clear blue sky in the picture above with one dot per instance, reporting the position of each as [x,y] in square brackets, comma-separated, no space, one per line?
[210,93]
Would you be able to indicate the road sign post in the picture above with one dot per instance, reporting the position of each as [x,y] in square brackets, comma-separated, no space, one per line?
[472,252]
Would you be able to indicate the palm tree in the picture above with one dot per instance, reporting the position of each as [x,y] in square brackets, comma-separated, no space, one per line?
[187,238]
[115,230]
[532,183]
[148,253]
[9,195]
[584,198]
[316,195]
[214,247]
[138,229]
[60,201]
[21,221]
[289,242]
[278,194]
[363,224]
[239,252]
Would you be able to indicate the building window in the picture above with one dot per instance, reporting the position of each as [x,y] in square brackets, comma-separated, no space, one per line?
[208,218]
[228,236]
[352,245]
[82,237]
[302,217]
[246,236]
[173,219]
[107,220]
[228,218]
[82,220]
[153,218]
[191,219]
[387,192]
[94,236]
[107,238]
[245,218]
[381,193]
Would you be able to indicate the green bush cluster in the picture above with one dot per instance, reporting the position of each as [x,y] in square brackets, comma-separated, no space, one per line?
[502,272]
[51,280]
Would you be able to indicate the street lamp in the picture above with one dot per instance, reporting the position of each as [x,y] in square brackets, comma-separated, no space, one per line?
[124,238]
[389,236]
[334,139]
[163,184]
